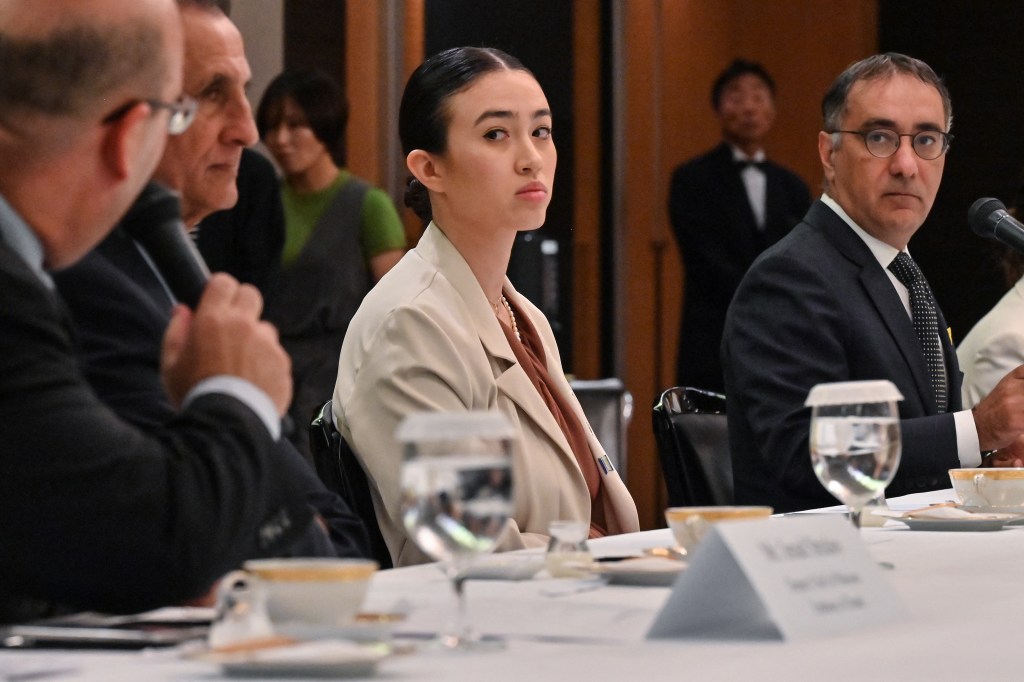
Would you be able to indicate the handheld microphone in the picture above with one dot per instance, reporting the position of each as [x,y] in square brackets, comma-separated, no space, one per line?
[154,220]
[988,218]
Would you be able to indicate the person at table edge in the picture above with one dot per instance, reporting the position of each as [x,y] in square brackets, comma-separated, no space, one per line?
[117,301]
[445,330]
[823,304]
[94,512]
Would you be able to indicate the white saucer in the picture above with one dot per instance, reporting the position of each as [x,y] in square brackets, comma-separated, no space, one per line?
[362,632]
[323,658]
[642,571]
[1017,512]
[505,567]
[955,525]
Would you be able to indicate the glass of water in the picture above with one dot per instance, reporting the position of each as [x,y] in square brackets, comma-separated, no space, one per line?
[855,440]
[457,496]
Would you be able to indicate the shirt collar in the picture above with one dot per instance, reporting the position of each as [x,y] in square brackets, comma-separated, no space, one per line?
[883,253]
[23,241]
[738,155]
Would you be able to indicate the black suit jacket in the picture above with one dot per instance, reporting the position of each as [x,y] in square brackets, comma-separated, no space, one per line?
[120,311]
[817,307]
[245,240]
[717,233]
[99,514]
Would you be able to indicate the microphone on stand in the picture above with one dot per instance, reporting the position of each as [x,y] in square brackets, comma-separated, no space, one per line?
[154,220]
[988,218]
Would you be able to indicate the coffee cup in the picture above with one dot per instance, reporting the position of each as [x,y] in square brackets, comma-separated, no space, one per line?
[320,591]
[689,525]
[993,488]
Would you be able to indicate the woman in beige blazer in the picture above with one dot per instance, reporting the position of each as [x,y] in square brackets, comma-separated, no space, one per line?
[445,329]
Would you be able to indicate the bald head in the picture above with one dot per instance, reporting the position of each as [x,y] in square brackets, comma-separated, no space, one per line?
[76,58]
[81,125]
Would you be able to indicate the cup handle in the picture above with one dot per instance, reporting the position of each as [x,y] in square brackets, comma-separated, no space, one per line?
[979,488]
[241,612]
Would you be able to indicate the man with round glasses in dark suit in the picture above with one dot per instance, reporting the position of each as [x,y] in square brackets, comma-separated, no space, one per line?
[840,299]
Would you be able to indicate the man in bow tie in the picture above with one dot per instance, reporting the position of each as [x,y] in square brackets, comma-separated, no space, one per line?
[840,299]
[728,206]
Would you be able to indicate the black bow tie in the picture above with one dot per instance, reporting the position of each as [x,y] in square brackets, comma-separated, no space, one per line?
[742,165]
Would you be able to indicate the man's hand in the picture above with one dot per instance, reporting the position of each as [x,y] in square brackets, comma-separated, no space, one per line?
[225,336]
[999,417]
[1010,456]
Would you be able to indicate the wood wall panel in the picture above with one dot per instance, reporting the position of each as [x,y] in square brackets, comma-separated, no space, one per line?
[365,80]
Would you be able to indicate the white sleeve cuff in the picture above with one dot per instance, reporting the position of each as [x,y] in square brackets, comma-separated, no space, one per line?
[254,397]
[968,447]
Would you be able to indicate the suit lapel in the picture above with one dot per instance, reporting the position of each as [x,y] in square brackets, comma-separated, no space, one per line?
[732,186]
[515,383]
[892,312]
[509,377]
[955,377]
[880,291]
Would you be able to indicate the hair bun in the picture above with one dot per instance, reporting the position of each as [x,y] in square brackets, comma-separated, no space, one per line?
[418,199]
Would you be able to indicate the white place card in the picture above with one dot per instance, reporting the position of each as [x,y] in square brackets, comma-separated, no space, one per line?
[791,577]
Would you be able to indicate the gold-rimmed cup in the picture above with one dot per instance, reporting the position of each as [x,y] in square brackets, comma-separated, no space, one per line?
[689,525]
[993,488]
[321,591]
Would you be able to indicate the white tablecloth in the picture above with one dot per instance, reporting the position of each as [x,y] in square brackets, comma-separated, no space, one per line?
[964,593]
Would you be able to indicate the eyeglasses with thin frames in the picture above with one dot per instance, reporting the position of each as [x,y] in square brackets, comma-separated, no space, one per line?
[883,143]
[183,112]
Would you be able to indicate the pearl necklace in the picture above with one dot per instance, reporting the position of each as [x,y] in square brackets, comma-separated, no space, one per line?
[511,315]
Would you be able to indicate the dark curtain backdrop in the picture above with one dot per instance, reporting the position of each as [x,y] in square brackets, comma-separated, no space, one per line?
[975,47]
[314,38]
[539,33]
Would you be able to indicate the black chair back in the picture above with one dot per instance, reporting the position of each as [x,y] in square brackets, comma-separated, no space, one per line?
[608,406]
[340,471]
[693,445]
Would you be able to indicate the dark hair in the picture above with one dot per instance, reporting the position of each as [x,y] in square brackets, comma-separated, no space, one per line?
[321,100]
[739,67]
[833,105]
[423,115]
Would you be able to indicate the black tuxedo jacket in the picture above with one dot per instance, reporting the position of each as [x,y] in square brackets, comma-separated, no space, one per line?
[99,514]
[719,239]
[120,311]
[817,307]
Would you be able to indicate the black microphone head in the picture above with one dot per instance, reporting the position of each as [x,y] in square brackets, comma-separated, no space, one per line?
[154,221]
[984,214]
[155,205]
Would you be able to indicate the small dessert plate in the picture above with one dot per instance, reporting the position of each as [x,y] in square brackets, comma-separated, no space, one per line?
[642,571]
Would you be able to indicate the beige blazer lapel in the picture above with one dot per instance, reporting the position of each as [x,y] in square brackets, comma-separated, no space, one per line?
[512,381]
[620,509]
[509,377]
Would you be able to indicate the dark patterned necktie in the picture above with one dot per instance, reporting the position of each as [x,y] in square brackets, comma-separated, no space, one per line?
[926,322]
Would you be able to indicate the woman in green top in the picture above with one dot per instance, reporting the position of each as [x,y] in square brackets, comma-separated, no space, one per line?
[341,234]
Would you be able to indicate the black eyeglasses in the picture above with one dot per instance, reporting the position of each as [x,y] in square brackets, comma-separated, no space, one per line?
[183,111]
[883,143]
